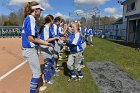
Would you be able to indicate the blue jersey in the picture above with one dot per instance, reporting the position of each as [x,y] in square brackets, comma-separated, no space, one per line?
[30,28]
[60,30]
[52,30]
[82,31]
[75,39]
[83,34]
[55,29]
[46,33]
[90,32]
[70,37]
[86,31]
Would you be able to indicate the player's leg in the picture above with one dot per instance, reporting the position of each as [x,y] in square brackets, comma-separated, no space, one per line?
[77,64]
[70,63]
[31,56]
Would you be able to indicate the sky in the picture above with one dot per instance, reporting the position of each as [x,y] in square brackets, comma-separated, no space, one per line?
[66,8]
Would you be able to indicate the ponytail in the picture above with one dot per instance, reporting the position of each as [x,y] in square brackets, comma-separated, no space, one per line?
[27,8]
[41,29]
[49,18]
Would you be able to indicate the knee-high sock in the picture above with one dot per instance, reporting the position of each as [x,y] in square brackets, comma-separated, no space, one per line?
[34,85]
[80,73]
[81,63]
[72,73]
[47,72]
[53,72]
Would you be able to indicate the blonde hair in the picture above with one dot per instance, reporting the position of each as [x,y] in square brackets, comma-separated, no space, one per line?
[78,27]
[27,8]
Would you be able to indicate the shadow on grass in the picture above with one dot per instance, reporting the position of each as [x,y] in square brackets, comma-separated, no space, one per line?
[121,42]
[66,70]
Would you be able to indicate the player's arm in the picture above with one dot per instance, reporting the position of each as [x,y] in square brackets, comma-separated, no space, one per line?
[39,41]
[52,39]
[69,44]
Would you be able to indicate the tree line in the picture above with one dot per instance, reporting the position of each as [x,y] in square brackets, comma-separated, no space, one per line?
[95,21]
[16,19]
[13,19]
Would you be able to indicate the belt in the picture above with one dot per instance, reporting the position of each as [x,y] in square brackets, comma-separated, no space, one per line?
[27,48]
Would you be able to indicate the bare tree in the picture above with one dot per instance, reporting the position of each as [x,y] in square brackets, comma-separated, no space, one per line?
[3,18]
[0,21]
[107,20]
[13,17]
[20,16]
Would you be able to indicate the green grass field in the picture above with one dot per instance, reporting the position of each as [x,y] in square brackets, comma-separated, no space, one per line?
[126,58]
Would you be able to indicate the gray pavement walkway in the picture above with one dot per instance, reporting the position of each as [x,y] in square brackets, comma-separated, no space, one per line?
[111,79]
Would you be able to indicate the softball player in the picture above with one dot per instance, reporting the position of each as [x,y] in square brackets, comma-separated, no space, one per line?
[74,44]
[55,27]
[57,47]
[83,43]
[91,36]
[47,51]
[60,30]
[86,35]
[83,46]
[30,42]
